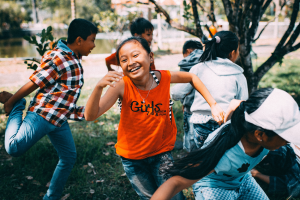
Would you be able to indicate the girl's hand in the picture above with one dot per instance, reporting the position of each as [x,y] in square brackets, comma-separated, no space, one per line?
[110,78]
[231,108]
[217,114]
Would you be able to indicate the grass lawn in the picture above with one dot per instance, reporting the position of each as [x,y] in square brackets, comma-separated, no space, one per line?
[98,172]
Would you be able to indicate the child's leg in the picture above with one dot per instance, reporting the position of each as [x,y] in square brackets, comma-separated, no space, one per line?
[250,190]
[158,163]
[62,140]
[140,177]
[207,193]
[201,131]
[21,134]
[188,128]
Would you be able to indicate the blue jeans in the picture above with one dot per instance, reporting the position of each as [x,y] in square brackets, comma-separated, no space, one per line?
[20,135]
[201,132]
[144,174]
[188,128]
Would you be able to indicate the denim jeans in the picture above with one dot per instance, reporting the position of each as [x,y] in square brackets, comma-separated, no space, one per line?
[144,174]
[201,131]
[20,135]
[188,128]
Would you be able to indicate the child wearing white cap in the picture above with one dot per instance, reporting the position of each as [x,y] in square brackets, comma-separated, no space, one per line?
[284,164]
[269,119]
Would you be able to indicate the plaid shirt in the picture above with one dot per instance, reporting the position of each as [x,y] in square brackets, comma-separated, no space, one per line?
[286,172]
[60,78]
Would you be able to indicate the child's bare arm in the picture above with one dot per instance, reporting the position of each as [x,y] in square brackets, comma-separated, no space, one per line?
[21,93]
[97,105]
[186,77]
[172,186]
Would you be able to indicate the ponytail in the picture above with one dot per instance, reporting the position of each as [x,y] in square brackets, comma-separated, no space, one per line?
[199,163]
[220,46]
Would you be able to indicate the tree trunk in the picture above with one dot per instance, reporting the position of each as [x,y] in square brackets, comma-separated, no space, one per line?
[34,12]
[73,9]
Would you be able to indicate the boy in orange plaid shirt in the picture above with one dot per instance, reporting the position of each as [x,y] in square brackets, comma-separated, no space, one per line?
[59,79]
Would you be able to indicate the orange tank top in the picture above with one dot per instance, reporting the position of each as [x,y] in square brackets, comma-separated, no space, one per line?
[146,130]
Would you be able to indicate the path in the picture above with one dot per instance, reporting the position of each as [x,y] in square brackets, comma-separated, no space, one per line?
[14,73]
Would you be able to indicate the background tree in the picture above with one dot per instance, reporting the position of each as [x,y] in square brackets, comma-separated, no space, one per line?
[11,17]
[61,10]
[244,17]
[110,21]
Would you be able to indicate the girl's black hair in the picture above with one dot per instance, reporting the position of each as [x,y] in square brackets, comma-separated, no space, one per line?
[228,42]
[141,40]
[199,163]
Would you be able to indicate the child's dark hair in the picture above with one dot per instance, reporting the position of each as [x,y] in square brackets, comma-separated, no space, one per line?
[80,28]
[199,163]
[141,40]
[228,42]
[140,25]
[191,44]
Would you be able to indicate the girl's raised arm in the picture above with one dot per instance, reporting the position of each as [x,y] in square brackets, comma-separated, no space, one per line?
[186,77]
[97,105]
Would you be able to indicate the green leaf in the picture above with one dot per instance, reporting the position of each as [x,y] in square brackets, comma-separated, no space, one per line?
[43,32]
[34,40]
[26,37]
[49,29]
[34,67]
[51,38]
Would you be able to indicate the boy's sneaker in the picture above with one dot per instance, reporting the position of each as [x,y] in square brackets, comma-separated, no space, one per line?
[4,96]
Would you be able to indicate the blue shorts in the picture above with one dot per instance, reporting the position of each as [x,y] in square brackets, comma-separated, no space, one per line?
[201,132]
[248,190]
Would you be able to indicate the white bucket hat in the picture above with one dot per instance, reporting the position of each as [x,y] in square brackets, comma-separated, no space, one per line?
[278,113]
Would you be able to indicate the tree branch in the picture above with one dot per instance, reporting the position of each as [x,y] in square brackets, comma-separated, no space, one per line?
[256,13]
[293,37]
[173,24]
[265,6]
[291,25]
[280,51]
[229,13]
[294,48]
[196,18]
[236,11]
[208,15]
[262,30]
[212,14]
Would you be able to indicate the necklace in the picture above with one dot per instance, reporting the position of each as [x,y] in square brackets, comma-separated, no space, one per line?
[147,94]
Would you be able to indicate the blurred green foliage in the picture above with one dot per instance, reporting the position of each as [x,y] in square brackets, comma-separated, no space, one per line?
[108,21]
[47,42]
[61,10]
[11,17]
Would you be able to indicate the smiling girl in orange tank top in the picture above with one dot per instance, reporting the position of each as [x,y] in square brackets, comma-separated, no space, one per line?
[147,130]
